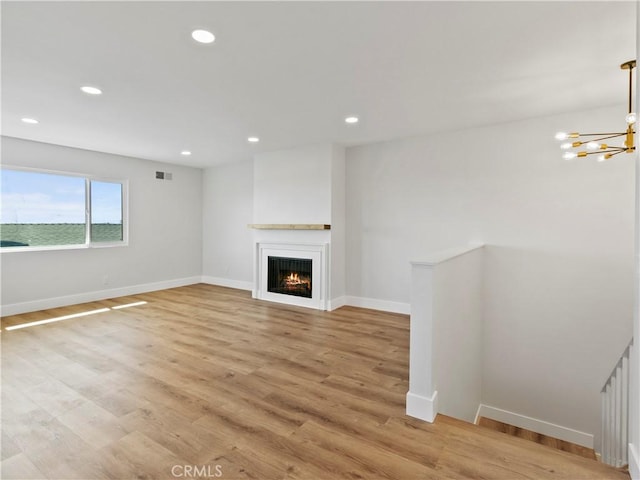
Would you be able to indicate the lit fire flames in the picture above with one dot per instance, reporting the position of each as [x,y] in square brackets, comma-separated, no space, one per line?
[294,280]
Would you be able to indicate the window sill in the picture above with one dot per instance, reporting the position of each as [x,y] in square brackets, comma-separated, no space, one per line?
[45,248]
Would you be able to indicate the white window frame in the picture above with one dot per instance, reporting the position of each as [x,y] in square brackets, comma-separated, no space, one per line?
[88,178]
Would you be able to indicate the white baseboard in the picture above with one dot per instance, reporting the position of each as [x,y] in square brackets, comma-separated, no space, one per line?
[375,304]
[422,407]
[634,462]
[538,426]
[477,417]
[333,304]
[226,282]
[336,303]
[45,303]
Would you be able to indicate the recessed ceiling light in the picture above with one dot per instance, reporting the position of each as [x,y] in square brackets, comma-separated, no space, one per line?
[91,90]
[32,121]
[203,36]
[186,153]
[253,139]
[351,120]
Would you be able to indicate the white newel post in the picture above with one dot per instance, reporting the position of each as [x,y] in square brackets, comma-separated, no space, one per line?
[422,399]
[445,347]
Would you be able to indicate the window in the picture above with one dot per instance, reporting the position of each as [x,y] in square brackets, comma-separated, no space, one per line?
[106,211]
[42,209]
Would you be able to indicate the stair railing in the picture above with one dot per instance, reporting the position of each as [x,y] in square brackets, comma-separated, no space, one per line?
[615,413]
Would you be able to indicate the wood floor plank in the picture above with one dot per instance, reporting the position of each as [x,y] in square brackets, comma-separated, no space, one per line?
[537,437]
[55,397]
[204,376]
[137,456]
[240,466]
[93,424]
[19,467]
[504,457]
[61,458]
[114,398]
[174,432]
[370,459]
[8,447]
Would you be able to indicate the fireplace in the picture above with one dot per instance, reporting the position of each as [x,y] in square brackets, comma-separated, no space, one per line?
[292,273]
[289,276]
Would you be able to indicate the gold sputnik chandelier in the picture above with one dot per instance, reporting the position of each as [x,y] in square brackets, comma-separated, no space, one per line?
[598,143]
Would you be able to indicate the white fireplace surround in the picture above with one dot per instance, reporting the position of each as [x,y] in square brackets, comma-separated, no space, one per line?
[319,256]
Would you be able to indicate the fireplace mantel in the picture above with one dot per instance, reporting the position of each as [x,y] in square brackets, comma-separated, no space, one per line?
[289,226]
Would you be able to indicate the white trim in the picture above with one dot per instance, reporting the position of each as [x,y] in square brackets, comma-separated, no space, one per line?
[477,417]
[227,282]
[538,426]
[375,304]
[434,258]
[318,253]
[634,462]
[54,302]
[421,407]
[336,303]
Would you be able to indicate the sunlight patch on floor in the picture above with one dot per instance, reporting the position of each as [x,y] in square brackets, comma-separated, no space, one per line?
[75,315]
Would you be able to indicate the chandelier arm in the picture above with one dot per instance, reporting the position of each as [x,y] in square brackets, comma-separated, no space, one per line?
[608,152]
[616,153]
[609,135]
[611,152]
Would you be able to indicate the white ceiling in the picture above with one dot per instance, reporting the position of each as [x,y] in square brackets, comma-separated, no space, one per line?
[289,72]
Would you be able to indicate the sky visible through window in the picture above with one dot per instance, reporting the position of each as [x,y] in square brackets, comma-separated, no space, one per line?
[106,206]
[33,197]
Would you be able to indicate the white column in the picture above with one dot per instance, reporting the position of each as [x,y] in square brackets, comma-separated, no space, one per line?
[422,399]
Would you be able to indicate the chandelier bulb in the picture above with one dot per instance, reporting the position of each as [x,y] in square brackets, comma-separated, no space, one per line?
[566,146]
[631,118]
[564,135]
[593,146]
[569,155]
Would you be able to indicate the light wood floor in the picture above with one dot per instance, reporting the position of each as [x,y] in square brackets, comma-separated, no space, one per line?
[205,382]
[537,437]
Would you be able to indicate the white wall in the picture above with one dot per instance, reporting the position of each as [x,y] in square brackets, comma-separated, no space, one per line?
[293,186]
[559,255]
[338,226]
[227,212]
[165,233]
